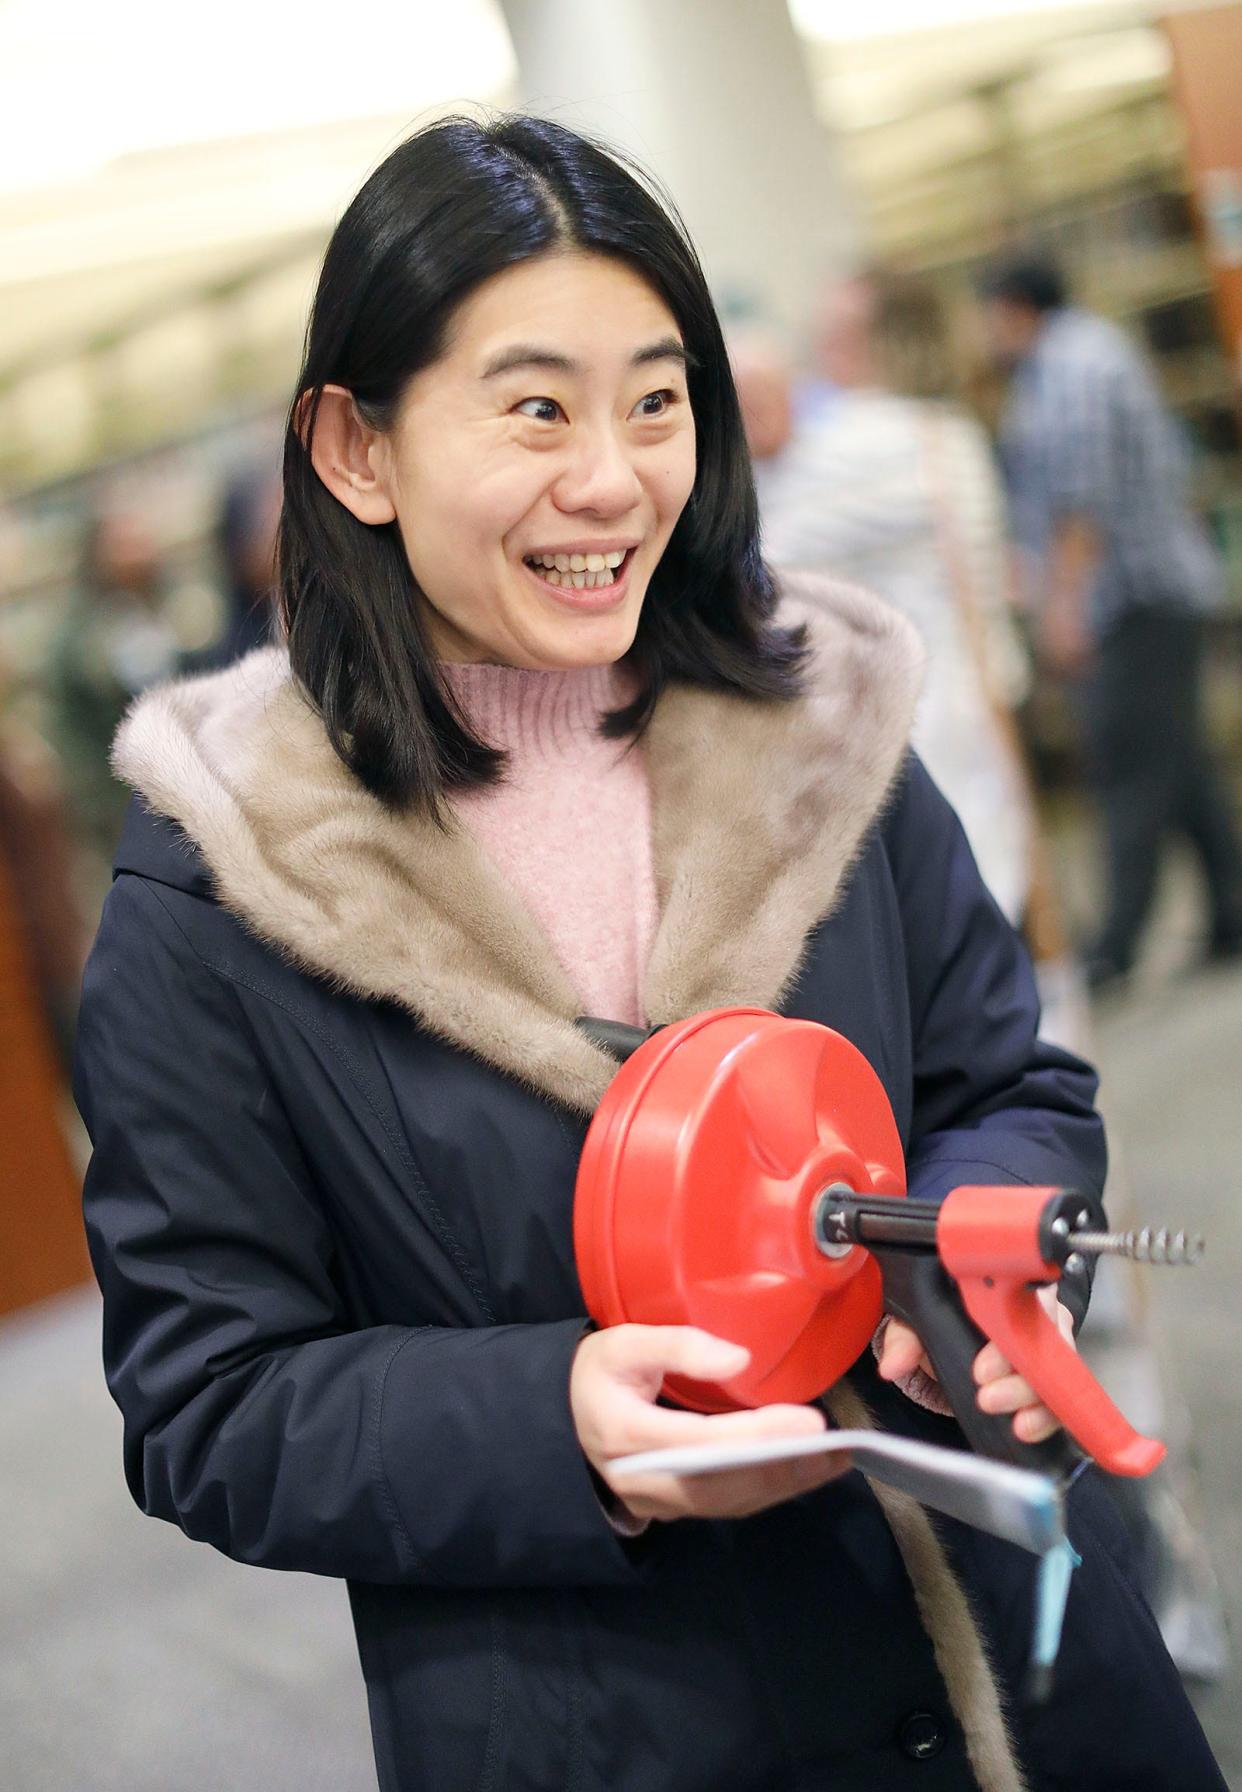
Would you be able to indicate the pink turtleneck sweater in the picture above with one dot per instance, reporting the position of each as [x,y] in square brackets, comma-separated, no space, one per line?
[570,826]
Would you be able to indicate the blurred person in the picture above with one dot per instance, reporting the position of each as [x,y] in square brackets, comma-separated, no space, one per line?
[866,481]
[892,485]
[1121,575]
[765,392]
[840,350]
[839,324]
[114,641]
[246,548]
[539,742]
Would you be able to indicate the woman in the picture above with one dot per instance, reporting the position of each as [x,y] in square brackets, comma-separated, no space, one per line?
[337,1097]
[892,485]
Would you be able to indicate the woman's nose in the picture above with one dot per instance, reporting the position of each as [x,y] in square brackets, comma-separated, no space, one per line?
[599,476]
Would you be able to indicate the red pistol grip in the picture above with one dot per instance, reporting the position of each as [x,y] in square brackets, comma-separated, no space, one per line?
[988,1240]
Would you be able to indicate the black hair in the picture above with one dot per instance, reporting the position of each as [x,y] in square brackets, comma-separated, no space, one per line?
[1032,279]
[454,204]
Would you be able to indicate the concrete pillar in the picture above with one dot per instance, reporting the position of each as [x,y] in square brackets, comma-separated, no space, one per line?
[714,97]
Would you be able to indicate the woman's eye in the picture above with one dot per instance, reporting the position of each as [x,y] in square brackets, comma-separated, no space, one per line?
[543,410]
[655,404]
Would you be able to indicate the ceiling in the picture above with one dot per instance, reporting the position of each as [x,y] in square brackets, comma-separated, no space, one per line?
[92,251]
[134,170]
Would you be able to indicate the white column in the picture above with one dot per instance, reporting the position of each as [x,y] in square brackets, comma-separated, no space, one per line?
[714,98]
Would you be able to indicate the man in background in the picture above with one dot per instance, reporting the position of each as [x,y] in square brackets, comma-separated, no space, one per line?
[1121,575]
[115,639]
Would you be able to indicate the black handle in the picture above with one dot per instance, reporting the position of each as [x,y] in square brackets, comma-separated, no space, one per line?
[614,1036]
[918,1289]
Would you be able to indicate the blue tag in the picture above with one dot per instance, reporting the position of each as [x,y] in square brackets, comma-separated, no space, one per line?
[1051,1593]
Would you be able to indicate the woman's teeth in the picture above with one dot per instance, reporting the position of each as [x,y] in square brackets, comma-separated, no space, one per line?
[583,571]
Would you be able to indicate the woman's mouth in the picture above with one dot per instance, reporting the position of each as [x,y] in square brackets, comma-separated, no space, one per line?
[579,572]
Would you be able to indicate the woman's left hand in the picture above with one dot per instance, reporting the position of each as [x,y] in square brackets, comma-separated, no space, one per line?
[1000,1389]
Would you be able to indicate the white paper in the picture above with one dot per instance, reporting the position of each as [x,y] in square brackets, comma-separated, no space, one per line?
[1016,1503]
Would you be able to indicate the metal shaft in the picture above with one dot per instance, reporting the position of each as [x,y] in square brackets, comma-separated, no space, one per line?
[1150,1245]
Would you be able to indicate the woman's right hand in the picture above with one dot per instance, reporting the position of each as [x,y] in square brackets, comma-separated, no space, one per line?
[613,1388]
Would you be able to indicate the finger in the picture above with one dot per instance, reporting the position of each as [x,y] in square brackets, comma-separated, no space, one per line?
[642,1350]
[728,1493]
[1034,1423]
[990,1365]
[1050,1300]
[1062,1314]
[642,1426]
[767,1485]
[1010,1394]
[900,1352]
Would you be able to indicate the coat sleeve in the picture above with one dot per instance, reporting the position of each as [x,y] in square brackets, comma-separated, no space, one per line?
[256,1417]
[992,1102]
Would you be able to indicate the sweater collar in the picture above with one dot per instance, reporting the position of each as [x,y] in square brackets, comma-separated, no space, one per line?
[537,715]
[759,810]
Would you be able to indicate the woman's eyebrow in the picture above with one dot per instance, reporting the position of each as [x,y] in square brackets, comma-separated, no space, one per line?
[526,354]
[530,354]
[668,349]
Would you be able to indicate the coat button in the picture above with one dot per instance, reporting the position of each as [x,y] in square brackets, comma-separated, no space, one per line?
[921,1736]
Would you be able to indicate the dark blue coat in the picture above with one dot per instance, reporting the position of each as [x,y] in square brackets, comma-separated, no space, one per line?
[340,1313]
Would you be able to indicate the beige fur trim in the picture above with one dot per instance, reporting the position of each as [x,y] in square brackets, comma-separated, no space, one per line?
[947,1619]
[758,812]
[759,809]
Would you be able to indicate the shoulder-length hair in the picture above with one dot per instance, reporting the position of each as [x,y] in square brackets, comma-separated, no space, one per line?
[912,337]
[456,203]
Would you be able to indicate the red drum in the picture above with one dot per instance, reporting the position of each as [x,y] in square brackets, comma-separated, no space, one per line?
[696,1188]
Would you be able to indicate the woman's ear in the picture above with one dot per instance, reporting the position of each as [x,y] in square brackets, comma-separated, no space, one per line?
[343,453]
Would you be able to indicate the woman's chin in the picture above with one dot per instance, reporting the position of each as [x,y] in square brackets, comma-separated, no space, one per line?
[592,646]
[582,638]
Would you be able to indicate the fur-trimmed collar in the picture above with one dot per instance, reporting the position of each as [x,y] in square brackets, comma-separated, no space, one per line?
[759,809]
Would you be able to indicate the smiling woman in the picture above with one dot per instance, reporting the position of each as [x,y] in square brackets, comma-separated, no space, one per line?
[539,746]
[513,358]
[508,452]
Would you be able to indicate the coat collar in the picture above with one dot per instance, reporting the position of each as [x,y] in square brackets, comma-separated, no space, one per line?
[759,810]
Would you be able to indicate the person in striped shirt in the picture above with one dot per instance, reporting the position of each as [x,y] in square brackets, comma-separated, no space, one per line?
[1121,574]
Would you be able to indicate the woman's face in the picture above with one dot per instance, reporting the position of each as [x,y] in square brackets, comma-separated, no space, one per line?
[538,467]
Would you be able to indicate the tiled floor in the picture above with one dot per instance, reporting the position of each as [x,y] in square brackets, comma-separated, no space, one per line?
[129,1657]
[1171,1058]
